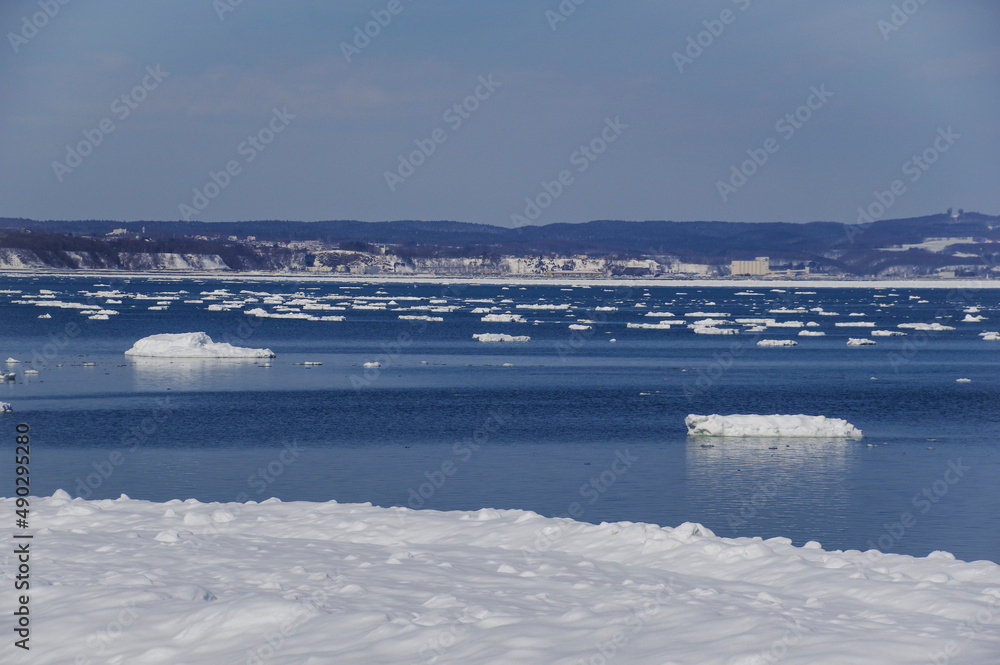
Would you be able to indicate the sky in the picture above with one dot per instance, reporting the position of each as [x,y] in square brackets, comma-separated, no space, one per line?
[499,112]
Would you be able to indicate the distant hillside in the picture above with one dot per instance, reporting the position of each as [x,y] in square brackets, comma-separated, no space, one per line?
[826,247]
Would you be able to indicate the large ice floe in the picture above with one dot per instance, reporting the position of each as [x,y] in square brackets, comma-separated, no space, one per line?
[772,426]
[191,345]
[126,581]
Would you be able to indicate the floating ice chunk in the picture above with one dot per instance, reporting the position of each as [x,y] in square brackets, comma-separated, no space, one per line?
[372,365]
[503,318]
[811,333]
[778,342]
[887,333]
[542,306]
[771,426]
[855,324]
[712,330]
[969,318]
[579,326]
[860,341]
[662,325]
[191,345]
[418,317]
[45,316]
[991,336]
[925,326]
[6,408]
[963,380]
[12,361]
[499,337]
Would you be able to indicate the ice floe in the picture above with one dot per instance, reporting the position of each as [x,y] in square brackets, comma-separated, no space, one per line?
[191,345]
[500,337]
[749,425]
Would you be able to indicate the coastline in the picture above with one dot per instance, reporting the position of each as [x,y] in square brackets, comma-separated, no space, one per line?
[922,283]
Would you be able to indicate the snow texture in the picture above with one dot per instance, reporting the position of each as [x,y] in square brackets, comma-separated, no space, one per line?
[124,581]
[191,345]
[770,426]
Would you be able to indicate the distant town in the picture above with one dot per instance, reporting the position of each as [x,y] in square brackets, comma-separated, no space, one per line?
[953,244]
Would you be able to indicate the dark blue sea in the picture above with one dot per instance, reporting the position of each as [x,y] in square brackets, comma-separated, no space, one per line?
[570,422]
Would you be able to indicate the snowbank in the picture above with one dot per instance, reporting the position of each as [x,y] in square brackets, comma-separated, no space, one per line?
[308,583]
[500,337]
[776,425]
[191,345]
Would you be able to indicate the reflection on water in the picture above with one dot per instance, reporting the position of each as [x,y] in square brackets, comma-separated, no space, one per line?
[747,483]
[151,374]
[774,455]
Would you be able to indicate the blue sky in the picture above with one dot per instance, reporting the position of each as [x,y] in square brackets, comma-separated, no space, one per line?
[590,117]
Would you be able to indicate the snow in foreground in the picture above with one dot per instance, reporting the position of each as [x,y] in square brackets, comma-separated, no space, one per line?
[776,425]
[299,583]
[191,345]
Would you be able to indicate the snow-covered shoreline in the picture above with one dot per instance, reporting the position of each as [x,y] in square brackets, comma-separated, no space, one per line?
[292,583]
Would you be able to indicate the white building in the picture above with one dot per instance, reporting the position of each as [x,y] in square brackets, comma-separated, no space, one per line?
[759,266]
